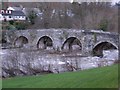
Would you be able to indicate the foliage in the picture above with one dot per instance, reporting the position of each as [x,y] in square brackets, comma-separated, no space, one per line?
[11,27]
[8,27]
[104,77]
[14,25]
[85,15]
[11,22]
[74,15]
[32,16]
[103,25]
[20,25]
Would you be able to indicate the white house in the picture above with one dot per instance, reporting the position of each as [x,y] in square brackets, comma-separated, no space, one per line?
[18,15]
[12,15]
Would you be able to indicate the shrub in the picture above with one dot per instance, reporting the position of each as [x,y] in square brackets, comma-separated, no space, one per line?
[103,25]
[11,27]
[11,22]
[20,25]
[8,27]
[32,16]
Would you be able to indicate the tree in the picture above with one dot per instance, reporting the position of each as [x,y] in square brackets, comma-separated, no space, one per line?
[20,25]
[103,25]
[85,15]
[32,16]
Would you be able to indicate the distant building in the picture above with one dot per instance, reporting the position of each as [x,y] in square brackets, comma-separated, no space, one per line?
[7,15]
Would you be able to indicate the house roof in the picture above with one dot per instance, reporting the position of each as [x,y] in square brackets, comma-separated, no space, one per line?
[18,13]
[15,8]
[14,13]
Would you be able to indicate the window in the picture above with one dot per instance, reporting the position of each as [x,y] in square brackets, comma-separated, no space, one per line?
[2,11]
[9,16]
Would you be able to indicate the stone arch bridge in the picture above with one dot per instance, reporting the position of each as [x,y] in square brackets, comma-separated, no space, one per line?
[87,42]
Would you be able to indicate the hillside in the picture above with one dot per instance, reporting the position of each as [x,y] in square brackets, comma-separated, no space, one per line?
[71,15]
[105,77]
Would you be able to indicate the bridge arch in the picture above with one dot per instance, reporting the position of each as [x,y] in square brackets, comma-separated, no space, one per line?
[20,41]
[72,43]
[45,42]
[103,45]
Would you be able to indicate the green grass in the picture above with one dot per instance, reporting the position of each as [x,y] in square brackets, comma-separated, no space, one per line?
[105,77]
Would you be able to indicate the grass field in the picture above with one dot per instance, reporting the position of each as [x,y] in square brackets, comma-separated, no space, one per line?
[105,77]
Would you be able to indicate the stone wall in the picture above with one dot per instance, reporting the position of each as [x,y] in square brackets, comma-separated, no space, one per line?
[19,63]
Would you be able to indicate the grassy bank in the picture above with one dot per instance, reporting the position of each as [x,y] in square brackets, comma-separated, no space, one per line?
[105,77]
